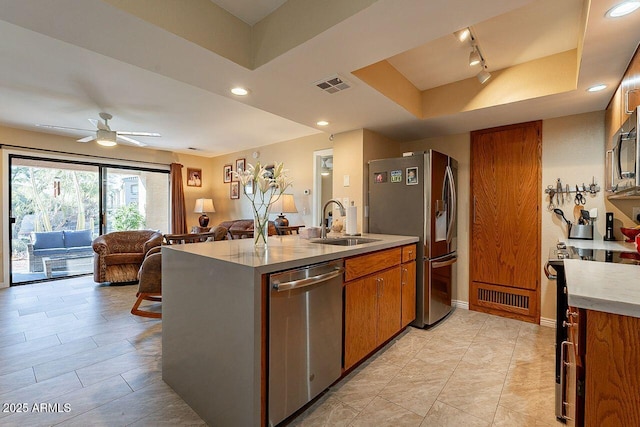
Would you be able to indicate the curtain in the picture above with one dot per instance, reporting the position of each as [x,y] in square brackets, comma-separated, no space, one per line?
[178,211]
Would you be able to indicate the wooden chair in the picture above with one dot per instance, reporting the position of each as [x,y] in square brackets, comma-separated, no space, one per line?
[150,273]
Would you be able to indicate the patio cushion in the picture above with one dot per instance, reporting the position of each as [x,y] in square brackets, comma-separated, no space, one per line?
[48,239]
[74,239]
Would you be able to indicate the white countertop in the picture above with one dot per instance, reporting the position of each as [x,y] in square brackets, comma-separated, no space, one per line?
[285,252]
[603,286]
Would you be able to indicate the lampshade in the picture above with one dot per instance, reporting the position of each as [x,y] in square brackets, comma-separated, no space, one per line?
[204,205]
[283,204]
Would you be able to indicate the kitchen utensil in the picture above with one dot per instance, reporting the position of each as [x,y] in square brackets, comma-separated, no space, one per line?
[559,191]
[593,213]
[552,193]
[576,213]
[585,216]
[568,192]
[580,199]
[592,186]
[560,213]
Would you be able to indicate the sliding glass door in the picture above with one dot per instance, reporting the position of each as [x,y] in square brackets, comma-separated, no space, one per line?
[59,207]
[136,199]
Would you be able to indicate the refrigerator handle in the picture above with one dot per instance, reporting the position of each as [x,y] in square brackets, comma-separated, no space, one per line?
[453,202]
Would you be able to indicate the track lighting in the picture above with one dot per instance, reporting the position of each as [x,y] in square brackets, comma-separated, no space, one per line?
[483,76]
[474,57]
[462,34]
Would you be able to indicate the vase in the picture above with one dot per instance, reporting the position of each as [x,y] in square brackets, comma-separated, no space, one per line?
[260,225]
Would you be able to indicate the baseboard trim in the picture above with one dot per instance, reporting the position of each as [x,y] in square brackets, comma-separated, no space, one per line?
[549,323]
[460,304]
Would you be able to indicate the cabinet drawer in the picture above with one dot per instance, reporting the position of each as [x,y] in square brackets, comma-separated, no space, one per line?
[360,266]
[408,253]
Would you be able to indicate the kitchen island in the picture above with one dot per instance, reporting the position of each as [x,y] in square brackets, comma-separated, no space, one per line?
[603,340]
[215,321]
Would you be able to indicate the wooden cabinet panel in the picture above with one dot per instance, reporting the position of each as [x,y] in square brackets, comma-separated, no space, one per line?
[389,304]
[408,293]
[360,314]
[360,266]
[505,213]
[612,360]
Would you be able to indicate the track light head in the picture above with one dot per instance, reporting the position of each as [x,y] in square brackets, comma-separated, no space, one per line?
[462,34]
[474,57]
[483,76]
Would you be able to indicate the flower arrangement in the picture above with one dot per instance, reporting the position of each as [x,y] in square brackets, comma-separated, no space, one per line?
[268,184]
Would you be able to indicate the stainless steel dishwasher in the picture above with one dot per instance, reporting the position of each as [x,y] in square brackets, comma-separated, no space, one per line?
[305,336]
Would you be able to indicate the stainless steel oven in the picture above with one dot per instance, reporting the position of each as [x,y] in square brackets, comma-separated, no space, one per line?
[557,256]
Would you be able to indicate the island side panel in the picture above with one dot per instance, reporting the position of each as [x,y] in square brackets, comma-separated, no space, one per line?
[211,336]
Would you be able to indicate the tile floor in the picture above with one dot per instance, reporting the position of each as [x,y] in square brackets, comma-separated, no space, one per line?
[74,342]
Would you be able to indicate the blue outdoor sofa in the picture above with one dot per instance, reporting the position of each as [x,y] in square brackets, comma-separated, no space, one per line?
[58,244]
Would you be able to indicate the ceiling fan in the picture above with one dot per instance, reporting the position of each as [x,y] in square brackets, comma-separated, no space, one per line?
[103,133]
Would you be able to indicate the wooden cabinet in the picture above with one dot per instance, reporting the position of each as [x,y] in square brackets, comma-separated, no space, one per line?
[379,297]
[603,368]
[372,313]
[505,221]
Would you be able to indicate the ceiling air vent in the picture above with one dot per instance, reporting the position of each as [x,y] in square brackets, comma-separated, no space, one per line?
[333,84]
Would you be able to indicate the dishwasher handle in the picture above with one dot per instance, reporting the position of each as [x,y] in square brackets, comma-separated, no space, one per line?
[308,281]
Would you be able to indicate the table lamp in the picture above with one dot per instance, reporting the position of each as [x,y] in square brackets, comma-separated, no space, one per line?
[283,204]
[202,207]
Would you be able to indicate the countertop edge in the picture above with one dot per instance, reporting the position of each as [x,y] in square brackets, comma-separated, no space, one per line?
[606,287]
[286,251]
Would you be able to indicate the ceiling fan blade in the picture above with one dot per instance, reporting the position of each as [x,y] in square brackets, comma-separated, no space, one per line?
[129,133]
[131,140]
[87,138]
[62,128]
[94,122]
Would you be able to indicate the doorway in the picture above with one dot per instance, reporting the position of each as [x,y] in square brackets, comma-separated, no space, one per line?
[57,208]
[322,182]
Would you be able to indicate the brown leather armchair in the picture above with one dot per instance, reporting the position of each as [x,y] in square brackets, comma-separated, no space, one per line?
[150,274]
[119,255]
[236,228]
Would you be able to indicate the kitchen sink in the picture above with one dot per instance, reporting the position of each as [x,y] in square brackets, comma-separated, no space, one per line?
[345,241]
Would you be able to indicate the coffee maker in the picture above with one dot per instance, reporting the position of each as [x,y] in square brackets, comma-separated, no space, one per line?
[608,235]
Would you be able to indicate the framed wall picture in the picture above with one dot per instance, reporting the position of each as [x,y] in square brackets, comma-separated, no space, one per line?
[226,173]
[240,165]
[234,192]
[194,177]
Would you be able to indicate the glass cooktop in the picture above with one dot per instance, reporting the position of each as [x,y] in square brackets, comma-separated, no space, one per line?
[562,252]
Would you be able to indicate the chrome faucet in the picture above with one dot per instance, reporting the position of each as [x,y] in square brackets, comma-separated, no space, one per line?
[323,233]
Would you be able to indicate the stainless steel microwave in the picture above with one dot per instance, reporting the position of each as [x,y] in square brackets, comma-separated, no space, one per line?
[625,158]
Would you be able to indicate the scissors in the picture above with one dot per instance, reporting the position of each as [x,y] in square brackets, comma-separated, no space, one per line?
[580,199]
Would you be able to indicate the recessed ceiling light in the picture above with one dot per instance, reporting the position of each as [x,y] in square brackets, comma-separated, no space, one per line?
[322,123]
[597,88]
[240,91]
[622,9]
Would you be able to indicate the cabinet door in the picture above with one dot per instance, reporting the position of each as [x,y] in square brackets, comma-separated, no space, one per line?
[389,303]
[360,313]
[505,220]
[408,293]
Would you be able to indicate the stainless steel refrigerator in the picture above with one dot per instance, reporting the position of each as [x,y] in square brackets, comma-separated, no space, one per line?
[416,196]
